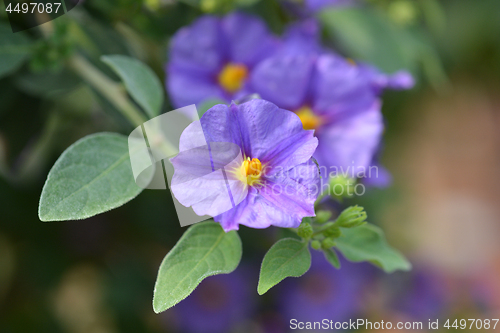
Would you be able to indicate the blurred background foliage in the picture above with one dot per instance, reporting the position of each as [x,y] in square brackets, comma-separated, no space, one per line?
[97,275]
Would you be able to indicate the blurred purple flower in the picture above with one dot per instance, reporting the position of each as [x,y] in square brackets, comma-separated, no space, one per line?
[422,294]
[338,98]
[212,58]
[218,304]
[381,178]
[325,292]
[276,171]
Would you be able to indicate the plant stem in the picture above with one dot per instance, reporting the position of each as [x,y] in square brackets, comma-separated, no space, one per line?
[111,90]
[324,227]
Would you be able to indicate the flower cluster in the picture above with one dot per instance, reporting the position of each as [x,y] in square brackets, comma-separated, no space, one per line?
[336,97]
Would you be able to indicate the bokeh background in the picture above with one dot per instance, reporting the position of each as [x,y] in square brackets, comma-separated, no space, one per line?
[442,146]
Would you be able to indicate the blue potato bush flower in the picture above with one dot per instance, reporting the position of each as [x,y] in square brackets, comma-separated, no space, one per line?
[213,57]
[338,98]
[276,172]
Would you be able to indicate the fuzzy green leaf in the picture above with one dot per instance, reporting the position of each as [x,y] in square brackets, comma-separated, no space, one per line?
[288,257]
[204,250]
[91,177]
[367,243]
[141,82]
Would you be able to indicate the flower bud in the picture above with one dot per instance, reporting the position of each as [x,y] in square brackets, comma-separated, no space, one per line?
[328,243]
[342,187]
[351,217]
[305,229]
[322,216]
[315,244]
[333,232]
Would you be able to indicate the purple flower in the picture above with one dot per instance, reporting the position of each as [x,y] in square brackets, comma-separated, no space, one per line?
[325,292]
[421,294]
[380,81]
[212,58]
[271,179]
[336,97]
[217,305]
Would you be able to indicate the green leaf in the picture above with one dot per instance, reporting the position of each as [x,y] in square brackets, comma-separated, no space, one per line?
[288,257]
[368,36]
[204,250]
[141,82]
[92,176]
[332,258]
[14,50]
[47,84]
[368,243]
[206,105]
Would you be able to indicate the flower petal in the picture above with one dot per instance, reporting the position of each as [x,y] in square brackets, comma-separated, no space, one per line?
[340,88]
[284,80]
[202,178]
[186,88]
[199,47]
[248,38]
[348,146]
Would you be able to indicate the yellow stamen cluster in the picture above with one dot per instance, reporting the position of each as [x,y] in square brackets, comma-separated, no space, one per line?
[309,119]
[251,171]
[232,77]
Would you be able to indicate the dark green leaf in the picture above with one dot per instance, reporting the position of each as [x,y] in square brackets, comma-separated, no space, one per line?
[91,177]
[141,82]
[204,250]
[288,257]
[14,49]
[368,243]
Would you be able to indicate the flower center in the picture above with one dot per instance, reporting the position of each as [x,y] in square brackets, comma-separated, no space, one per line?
[251,170]
[309,119]
[232,77]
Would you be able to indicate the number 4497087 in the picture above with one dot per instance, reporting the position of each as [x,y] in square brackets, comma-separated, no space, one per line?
[472,323]
[34,6]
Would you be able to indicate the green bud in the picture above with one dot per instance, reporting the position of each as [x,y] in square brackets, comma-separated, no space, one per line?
[333,232]
[351,217]
[315,244]
[328,243]
[341,187]
[305,229]
[322,216]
